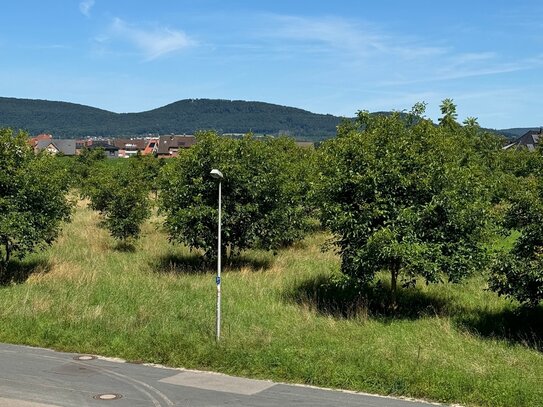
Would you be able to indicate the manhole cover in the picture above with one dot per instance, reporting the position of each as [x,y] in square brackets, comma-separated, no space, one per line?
[107,396]
[84,357]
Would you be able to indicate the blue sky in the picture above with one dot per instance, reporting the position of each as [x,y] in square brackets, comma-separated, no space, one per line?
[324,56]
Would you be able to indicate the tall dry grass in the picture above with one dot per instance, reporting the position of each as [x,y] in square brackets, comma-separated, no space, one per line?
[285,317]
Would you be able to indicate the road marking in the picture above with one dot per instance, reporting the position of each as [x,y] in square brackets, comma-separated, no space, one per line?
[218,382]
[137,384]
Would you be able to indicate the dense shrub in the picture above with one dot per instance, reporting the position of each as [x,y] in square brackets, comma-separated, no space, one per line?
[33,201]
[404,195]
[121,195]
[518,273]
[264,193]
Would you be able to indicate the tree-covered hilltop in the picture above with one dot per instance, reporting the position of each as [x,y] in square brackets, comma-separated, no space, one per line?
[517,131]
[62,119]
[69,120]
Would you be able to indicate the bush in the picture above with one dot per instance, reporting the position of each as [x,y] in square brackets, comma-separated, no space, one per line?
[519,273]
[33,201]
[121,195]
[405,196]
[264,193]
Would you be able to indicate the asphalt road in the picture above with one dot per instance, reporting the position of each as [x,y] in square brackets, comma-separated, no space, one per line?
[34,377]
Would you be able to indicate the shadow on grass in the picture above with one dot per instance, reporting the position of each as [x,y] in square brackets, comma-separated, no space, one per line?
[250,262]
[124,247]
[338,298]
[521,325]
[195,263]
[182,264]
[18,272]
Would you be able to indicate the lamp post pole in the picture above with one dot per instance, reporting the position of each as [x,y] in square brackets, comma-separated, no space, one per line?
[218,175]
[219,271]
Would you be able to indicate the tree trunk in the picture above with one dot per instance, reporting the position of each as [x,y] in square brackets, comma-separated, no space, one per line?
[5,260]
[394,272]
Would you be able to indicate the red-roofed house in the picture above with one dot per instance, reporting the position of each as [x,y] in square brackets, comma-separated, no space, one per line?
[40,137]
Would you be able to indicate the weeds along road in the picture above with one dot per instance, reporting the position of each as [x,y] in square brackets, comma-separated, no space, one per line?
[34,377]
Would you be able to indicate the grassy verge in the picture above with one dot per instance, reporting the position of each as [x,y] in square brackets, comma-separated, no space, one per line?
[447,343]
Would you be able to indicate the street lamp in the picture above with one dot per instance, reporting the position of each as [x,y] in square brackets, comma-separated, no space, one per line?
[218,175]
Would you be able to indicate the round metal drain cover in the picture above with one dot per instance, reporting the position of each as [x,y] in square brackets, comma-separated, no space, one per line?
[107,396]
[84,357]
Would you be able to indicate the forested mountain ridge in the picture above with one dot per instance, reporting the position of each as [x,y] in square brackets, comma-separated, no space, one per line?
[70,120]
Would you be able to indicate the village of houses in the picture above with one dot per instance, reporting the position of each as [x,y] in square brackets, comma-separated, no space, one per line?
[168,146]
[162,146]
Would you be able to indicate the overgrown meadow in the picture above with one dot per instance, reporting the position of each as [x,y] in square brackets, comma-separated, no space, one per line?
[449,343]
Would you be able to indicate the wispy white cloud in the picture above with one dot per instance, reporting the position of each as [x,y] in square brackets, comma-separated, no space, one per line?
[152,43]
[381,54]
[85,7]
[333,32]
[464,66]
[356,38]
[379,67]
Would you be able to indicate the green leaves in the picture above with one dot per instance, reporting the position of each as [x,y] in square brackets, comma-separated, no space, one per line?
[264,191]
[518,273]
[403,196]
[33,200]
[448,110]
[518,278]
[121,195]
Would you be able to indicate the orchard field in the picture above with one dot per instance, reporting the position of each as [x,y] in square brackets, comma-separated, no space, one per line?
[401,257]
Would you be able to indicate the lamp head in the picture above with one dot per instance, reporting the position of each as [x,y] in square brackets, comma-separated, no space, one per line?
[216,174]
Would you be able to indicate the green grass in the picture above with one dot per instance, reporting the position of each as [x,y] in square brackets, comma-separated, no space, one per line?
[281,321]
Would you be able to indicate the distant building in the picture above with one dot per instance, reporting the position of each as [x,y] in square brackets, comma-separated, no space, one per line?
[40,137]
[64,147]
[150,147]
[129,147]
[530,140]
[110,150]
[168,146]
[79,145]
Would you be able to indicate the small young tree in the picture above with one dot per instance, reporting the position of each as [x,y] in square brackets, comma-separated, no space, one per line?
[121,195]
[149,168]
[519,273]
[86,160]
[264,203]
[407,198]
[471,122]
[33,201]
[448,110]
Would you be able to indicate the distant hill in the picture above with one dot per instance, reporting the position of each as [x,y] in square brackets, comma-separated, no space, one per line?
[70,120]
[517,131]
